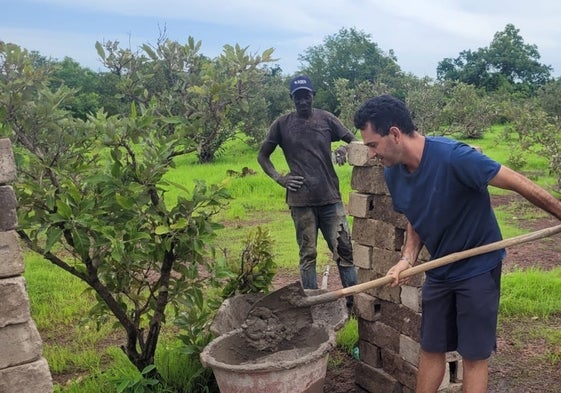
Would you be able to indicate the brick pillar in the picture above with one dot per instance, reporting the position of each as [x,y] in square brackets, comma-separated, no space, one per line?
[22,367]
[389,319]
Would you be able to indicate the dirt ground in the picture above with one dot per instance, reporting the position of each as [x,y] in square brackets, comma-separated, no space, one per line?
[523,363]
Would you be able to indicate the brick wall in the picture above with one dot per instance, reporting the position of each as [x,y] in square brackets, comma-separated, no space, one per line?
[22,366]
[388,318]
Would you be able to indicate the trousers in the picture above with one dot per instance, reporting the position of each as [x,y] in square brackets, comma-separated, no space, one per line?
[331,220]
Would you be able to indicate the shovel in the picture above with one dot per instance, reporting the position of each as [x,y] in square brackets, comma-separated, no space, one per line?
[291,307]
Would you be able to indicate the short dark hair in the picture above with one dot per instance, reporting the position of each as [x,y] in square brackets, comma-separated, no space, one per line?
[384,112]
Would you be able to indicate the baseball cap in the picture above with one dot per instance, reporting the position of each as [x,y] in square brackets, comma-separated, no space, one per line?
[300,82]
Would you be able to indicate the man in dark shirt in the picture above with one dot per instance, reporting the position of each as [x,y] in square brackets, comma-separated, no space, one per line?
[312,186]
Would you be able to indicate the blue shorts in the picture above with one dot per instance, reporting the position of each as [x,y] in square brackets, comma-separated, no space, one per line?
[462,316]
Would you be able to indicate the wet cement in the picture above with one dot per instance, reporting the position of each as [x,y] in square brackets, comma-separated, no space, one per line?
[267,328]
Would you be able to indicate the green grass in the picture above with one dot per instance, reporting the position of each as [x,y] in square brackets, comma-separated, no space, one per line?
[531,292]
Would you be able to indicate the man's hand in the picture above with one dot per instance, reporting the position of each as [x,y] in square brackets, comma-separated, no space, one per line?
[340,155]
[395,272]
[291,182]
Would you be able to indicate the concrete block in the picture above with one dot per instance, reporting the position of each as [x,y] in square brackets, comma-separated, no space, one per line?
[375,380]
[409,349]
[369,353]
[11,255]
[381,292]
[7,163]
[362,256]
[401,318]
[456,366]
[369,180]
[411,297]
[29,378]
[379,207]
[404,372]
[383,260]
[367,307]
[360,205]
[20,344]
[14,307]
[358,155]
[8,215]
[377,233]
[379,334]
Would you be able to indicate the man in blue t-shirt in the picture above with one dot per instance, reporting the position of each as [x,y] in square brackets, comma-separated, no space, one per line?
[440,185]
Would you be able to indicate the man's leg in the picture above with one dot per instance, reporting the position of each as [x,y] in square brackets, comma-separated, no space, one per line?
[431,371]
[476,376]
[335,230]
[305,223]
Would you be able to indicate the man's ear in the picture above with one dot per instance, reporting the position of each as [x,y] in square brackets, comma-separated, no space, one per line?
[395,132]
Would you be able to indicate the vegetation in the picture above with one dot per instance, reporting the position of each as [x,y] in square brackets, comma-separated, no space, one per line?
[110,192]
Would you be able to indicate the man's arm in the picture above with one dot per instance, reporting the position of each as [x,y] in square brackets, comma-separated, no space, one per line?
[340,154]
[409,254]
[508,179]
[290,182]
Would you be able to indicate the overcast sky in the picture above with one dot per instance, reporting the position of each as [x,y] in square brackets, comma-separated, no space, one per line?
[421,33]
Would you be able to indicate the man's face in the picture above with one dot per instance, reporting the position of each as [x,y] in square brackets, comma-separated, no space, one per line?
[384,148]
[303,100]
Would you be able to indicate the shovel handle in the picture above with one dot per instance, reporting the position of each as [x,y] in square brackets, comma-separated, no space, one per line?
[445,260]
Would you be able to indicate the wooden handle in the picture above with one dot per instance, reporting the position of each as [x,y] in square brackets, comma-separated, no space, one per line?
[445,260]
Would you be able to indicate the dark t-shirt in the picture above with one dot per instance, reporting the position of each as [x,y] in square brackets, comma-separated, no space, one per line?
[306,144]
[447,203]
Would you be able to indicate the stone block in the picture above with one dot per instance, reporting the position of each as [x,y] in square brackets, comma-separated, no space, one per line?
[11,255]
[401,318]
[377,233]
[367,307]
[404,372]
[411,297]
[20,344]
[409,349]
[8,215]
[358,155]
[379,207]
[369,353]
[360,205]
[362,256]
[383,260]
[369,180]
[375,380]
[32,377]
[14,307]
[379,334]
[7,163]
[390,294]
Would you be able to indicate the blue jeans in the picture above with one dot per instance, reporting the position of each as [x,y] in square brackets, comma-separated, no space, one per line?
[332,222]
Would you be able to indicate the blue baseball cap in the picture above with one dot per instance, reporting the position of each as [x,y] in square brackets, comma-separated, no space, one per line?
[301,82]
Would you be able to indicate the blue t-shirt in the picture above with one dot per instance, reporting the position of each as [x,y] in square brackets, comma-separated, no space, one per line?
[447,202]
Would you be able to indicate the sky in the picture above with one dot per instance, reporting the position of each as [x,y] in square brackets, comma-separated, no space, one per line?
[421,33]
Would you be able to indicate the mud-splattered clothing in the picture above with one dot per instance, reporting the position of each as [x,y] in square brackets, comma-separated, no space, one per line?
[306,144]
[317,205]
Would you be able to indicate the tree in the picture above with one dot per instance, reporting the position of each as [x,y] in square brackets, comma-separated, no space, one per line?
[507,60]
[207,101]
[548,96]
[350,54]
[92,200]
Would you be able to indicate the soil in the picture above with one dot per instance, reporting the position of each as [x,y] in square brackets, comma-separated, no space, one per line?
[524,361]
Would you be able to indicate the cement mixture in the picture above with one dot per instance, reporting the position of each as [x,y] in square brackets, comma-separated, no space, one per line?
[263,329]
